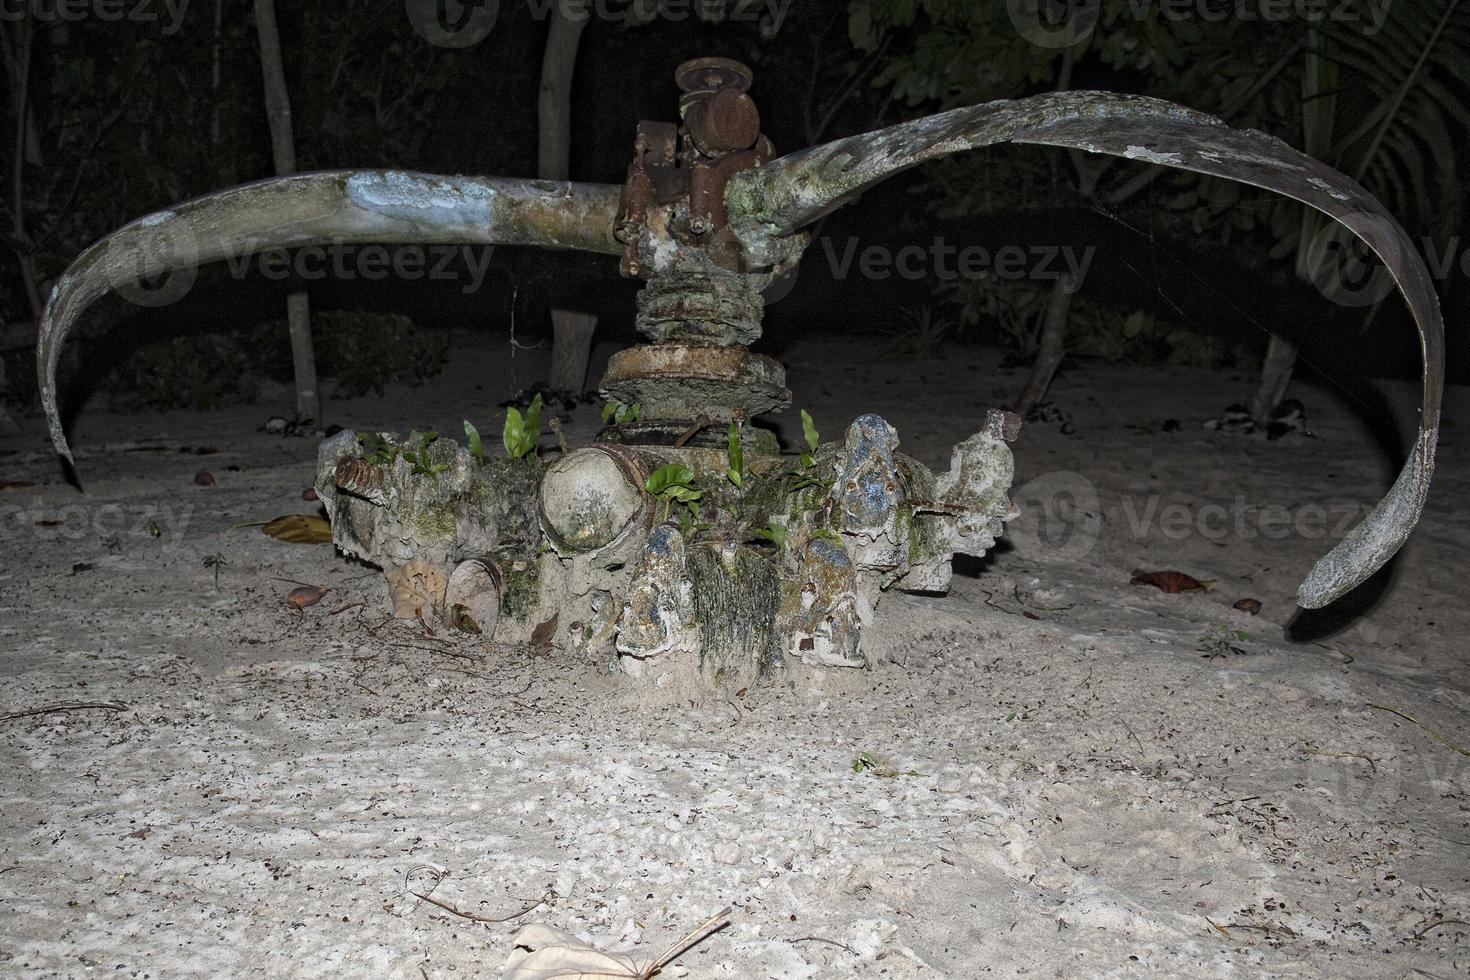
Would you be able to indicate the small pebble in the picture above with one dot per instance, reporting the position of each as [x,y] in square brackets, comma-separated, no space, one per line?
[204,478]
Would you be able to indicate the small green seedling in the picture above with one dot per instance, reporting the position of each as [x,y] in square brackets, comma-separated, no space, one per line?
[619,413]
[813,440]
[420,456]
[672,484]
[215,561]
[774,532]
[871,763]
[476,444]
[521,433]
[735,455]
[807,477]
[376,449]
[1222,640]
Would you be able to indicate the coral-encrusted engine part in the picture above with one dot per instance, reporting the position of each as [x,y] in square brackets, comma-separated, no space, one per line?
[788,566]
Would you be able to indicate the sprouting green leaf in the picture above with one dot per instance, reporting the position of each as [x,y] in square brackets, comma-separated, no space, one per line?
[774,532]
[672,483]
[735,454]
[477,447]
[809,430]
[376,449]
[521,432]
[513,434]
[669,475]
[620,413]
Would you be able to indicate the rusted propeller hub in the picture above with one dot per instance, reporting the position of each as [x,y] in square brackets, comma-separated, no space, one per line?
[703,302]
[718,113]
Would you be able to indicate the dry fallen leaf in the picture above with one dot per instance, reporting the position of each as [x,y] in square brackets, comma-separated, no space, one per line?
[543,635]
[305,595]
[1169,581]
[415,587]
[300,529]
[542,952]
[1252,606]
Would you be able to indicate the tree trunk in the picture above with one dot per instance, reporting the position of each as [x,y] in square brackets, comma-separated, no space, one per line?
[283,149]
[19,67]
[554,104]
[1275,376]
[15,54]
[571,348]
[571,332]
[1051,347]
[214,75]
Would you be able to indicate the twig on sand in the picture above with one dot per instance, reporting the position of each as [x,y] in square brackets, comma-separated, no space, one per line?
[829,942]
[1435,925]
[441,875]
[691,938]
[1131,734]
[1394,711]
[445,651]
[47,709]
[367,663]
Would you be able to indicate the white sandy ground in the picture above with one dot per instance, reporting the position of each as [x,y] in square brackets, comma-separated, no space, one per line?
[1112,781]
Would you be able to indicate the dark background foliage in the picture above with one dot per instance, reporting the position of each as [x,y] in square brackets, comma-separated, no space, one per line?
[125,117]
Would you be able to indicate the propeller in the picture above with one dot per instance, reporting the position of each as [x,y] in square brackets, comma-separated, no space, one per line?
[787,194]
[766,206]
[332,207]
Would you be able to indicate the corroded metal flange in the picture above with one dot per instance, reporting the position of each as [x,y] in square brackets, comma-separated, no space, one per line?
[673,381]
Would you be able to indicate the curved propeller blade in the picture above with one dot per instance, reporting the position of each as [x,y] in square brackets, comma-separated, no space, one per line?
[790,193]
[333,207]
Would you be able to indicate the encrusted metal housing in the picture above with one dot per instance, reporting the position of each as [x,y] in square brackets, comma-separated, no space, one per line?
[786,567]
